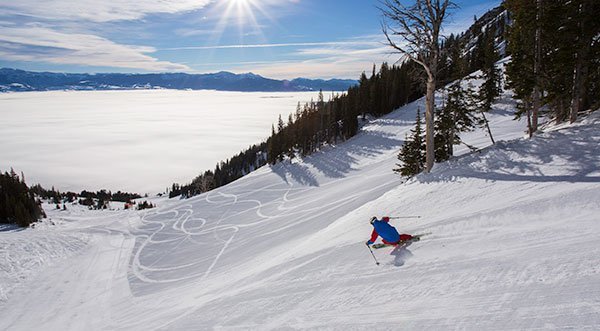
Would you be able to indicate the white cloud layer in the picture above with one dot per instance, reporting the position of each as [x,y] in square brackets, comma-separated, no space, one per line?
[34,43]
[97,10]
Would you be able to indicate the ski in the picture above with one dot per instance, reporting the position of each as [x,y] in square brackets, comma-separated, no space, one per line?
[415,238]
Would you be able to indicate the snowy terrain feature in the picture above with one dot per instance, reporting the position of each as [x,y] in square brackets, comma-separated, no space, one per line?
[125,140]
[513,244]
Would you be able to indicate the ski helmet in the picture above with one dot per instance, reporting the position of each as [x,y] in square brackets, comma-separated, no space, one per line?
[373,219]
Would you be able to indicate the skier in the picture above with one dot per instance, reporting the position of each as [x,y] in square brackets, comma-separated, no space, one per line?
[388,233]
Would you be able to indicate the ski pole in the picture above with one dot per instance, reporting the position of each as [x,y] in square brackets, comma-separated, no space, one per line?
[374,258]
[397,217]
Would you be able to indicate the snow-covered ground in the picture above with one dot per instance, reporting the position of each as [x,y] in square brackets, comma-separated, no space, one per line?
[514,244]
[134,141]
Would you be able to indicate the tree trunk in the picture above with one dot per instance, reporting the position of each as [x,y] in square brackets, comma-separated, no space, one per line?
[429,124]
[582,46]
[450,143]
[535,109]
[487,126]
[536,68]
[529,128]
[575,101]
[452,135]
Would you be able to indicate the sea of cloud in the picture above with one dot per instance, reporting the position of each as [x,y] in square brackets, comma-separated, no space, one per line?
[140,141]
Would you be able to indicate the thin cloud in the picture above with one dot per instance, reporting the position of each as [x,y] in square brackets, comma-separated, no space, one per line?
[47,45]
[332,43]
[98,11]
[346,59]
[193,32]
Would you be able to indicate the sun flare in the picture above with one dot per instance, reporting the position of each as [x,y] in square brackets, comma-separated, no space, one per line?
[244,9]
[243,15]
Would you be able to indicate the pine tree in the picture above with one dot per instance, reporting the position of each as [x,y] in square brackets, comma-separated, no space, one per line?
[281,140]
[491,87]
[364,92]
[273,147]
[291,137]
[21,216]
[521,69]
[17,201]
[554,48]
[412,154]
[583,27]
[456,116]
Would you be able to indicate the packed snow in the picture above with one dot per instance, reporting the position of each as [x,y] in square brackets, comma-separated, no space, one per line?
[513,244]
[133,141]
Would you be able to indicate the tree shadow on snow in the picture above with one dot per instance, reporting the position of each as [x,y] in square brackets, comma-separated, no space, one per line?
[576,150]
[297,171]
[338,162]
[504,106]
[11,228]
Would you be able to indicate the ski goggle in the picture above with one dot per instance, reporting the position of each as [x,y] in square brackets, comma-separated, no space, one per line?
[373,220]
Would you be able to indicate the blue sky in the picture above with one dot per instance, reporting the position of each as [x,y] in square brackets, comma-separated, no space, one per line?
[273,38]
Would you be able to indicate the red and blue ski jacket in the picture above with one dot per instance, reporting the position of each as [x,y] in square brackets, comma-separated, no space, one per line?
[382,228]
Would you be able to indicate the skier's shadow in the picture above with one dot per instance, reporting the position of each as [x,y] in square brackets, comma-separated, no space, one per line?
[401,254]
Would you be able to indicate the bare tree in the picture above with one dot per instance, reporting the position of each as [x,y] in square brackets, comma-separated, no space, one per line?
[414,31]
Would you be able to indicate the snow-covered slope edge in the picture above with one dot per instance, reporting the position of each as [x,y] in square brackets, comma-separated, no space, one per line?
[513,244]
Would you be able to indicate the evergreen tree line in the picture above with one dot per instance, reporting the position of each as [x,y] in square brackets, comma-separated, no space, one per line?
[17,202]
[21,205]
[109,196]
[314,124]
[224,173]
[94,200]
[319,123]
[100,200]
[465,53]
[58,197]
[555,66]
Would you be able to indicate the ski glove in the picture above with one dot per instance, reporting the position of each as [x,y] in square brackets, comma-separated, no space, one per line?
[369,243]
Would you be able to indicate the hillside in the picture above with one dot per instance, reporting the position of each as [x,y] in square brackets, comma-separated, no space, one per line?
[513,244]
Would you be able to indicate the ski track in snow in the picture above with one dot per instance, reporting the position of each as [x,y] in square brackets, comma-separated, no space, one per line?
[222,232]
[513,244]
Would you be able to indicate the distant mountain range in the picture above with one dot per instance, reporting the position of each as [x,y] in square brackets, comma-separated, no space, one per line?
[14,80]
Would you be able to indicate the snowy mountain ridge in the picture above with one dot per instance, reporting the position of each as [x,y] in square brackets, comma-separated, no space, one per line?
[14,80]
[513,244]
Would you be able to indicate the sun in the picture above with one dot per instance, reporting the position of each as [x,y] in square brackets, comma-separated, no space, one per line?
[244,9]
[243,14]
[248,17]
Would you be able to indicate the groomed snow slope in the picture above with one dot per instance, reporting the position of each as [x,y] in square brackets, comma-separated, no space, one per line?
[514,244]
